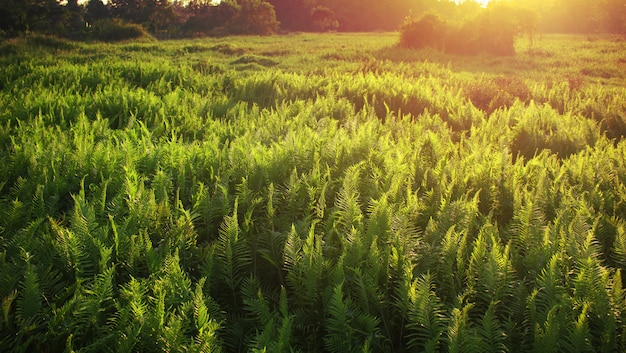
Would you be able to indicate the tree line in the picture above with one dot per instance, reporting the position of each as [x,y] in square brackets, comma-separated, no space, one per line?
[164,18]
[181,18]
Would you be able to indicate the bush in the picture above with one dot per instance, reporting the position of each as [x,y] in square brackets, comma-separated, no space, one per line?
[428,31]
[117,30]
[493,31]
[490,94]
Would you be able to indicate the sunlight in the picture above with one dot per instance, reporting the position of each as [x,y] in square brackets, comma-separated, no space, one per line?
[482,3]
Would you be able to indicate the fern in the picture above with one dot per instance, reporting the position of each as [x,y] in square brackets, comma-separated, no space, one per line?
[578,338]
[426,318]
[234,253]
[348,213]
[490,273]
[94,307]
[255,303]
[461,334]
[206,339]
[450,272]
[271,316]
[29,301]
[492,336]
[347,328]
[172,333]
[7,303]
[305,266]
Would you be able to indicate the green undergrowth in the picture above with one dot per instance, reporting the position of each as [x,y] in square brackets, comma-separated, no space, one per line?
[235,194]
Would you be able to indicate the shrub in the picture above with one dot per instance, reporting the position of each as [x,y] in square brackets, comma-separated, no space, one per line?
[117,30]
[49,42]
[490,94]
[428,31]
[493,31]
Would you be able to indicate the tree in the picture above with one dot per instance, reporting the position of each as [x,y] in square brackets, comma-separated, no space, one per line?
[324,18]
[96,10]
[160,15]
[13,15]
[129,10]
[204,17]
[614,15]
[74,16]
[527,20]
[294,15]
[46,16]
[497,28]
[255,17]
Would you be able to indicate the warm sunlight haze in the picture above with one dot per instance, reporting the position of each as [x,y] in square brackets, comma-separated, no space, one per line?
[482,3]
[334,176]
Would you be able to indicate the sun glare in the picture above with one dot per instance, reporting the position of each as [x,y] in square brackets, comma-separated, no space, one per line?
[482,3]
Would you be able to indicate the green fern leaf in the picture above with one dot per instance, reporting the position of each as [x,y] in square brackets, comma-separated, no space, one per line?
[7,303]
[29,301]
[340,333]
[491,334]
[234,252]
[462,337]
[578,338]
[426,319]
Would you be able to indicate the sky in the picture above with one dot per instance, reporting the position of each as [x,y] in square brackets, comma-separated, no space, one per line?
[482,2]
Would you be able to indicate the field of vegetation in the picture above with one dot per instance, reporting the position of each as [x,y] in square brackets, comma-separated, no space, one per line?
[312,193]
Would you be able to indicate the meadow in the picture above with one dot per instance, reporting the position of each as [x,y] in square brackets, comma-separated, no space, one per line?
[312,193]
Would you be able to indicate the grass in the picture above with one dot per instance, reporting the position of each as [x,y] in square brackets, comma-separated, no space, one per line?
[311,193]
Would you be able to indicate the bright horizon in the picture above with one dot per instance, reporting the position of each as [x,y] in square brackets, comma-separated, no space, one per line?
[481,2]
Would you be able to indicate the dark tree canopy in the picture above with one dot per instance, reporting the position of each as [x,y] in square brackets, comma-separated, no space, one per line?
[205,17]
[96,10]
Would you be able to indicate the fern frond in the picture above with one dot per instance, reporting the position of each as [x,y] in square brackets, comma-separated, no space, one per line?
[492,336]
[348,212]
[255,303]
[548,334]
[233,251]
[578,338]
[426,319]
[206,327]
[7,303]
[200,311]
[339,332]
[462,337]
[173,336]
[29,301]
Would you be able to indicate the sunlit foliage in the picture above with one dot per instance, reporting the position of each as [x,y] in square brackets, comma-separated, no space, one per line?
[311,193]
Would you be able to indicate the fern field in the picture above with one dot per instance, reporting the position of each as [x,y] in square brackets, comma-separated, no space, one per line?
[311,193]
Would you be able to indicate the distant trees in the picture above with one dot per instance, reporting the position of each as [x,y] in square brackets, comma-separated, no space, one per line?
[254,17]
[579,16]
[18,16]
[13,15]
[324,18]
[210,17]
[202,18]
[96,10]
[614,18]
[493,30]
[167,17]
